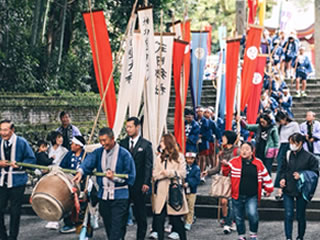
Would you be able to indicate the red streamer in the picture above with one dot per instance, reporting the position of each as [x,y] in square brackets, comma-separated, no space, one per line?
[100,43]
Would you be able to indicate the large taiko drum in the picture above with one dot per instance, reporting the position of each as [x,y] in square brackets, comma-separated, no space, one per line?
[53,197]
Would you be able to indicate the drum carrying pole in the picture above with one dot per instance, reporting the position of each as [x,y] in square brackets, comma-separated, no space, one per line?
[98,174]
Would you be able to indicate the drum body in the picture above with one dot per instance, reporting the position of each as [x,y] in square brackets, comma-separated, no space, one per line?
[52,197]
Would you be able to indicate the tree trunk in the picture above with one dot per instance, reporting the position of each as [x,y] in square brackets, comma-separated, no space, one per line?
[241,17]
[35,25]
[62,31]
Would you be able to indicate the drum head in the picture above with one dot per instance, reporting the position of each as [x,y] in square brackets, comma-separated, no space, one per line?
[47,207]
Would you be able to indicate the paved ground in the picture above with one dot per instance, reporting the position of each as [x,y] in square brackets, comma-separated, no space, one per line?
[32,228]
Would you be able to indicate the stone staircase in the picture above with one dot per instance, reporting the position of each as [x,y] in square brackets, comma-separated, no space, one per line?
[309,103]
[299,108]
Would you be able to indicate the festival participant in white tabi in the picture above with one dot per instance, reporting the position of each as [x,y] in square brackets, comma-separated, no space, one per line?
[13,178]
[113,192]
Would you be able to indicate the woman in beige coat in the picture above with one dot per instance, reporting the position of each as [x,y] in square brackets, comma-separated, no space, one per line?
[167,165]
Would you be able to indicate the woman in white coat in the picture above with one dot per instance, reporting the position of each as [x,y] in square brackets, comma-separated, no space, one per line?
[169,164]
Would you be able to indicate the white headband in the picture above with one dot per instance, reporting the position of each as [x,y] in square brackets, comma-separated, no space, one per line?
[191,154]
[76,141]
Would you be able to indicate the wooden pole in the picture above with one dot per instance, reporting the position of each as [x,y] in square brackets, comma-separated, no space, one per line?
[159,76]
[71,171]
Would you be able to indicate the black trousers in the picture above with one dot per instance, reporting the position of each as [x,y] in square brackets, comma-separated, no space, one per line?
[140,213]
[177,224]
[114,214]
[14,196]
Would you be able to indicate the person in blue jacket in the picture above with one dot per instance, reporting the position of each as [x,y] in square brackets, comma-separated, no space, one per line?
[191,184]
[286,101]
[215,135]
[303,69]
[290,49]
[203,143]
[192,130]
[13,178]
[72,160]
[277,55]
[113,192]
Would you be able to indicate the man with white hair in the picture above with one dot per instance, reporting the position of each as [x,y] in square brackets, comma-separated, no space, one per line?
[303,69]
[311,129]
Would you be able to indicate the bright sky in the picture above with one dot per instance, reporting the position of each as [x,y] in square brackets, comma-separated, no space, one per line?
[299,18]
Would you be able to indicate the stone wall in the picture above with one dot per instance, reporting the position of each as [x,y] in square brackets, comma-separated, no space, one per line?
[36,115]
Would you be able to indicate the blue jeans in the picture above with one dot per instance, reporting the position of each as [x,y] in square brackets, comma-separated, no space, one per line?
[301,205]
[284,147]
[229,218]
[244,205]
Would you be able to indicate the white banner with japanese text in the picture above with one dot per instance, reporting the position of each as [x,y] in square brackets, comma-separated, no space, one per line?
[127,81]
[163,52]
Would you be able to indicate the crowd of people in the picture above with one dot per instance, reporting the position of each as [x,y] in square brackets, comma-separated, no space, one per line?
[287,59]
[171,177]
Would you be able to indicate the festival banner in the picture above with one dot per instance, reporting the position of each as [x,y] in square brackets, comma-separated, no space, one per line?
[164,55]
[147,32]
[179,49]
[220,97]
[187,55]
[209,29]
[127,80]
[249,64]
[233,49]
[262,12]
[138,74]
[257,82]
[102,60]
[198,59]
[252,6]
[177,30]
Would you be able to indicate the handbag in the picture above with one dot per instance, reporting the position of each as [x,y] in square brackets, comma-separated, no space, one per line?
[221,186]
[175,193]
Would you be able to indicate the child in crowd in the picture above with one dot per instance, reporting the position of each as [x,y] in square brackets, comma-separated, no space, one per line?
[191,183]
[42,155]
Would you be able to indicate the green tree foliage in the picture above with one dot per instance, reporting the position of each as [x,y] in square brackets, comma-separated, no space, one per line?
[30,35]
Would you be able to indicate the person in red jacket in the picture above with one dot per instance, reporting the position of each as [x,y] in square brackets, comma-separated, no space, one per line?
[248,177]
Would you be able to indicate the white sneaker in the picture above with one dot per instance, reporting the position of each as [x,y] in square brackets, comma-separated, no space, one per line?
[187,226]
[226,229]
[52,225]
[203,180]
[173,235]
[233,226]
[153,235]
[94,220]
[168,228]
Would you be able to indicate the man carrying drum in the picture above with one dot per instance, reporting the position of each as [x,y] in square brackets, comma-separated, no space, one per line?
[113,192]
[12,178]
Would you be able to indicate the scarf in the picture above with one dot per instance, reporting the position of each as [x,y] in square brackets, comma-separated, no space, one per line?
[109,162]
[13,157]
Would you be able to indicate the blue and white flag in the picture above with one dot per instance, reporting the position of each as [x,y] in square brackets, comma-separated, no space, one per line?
[221,80]
[198,59]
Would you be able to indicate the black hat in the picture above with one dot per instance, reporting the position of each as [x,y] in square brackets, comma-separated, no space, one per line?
[231,136]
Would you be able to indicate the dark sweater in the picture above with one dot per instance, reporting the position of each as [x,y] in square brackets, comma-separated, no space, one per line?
[43,159]
[249,179]
[298,162]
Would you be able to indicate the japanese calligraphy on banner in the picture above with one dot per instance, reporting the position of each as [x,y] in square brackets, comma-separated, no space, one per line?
[147,33]
[126,80]
[163,54]
[138,75]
